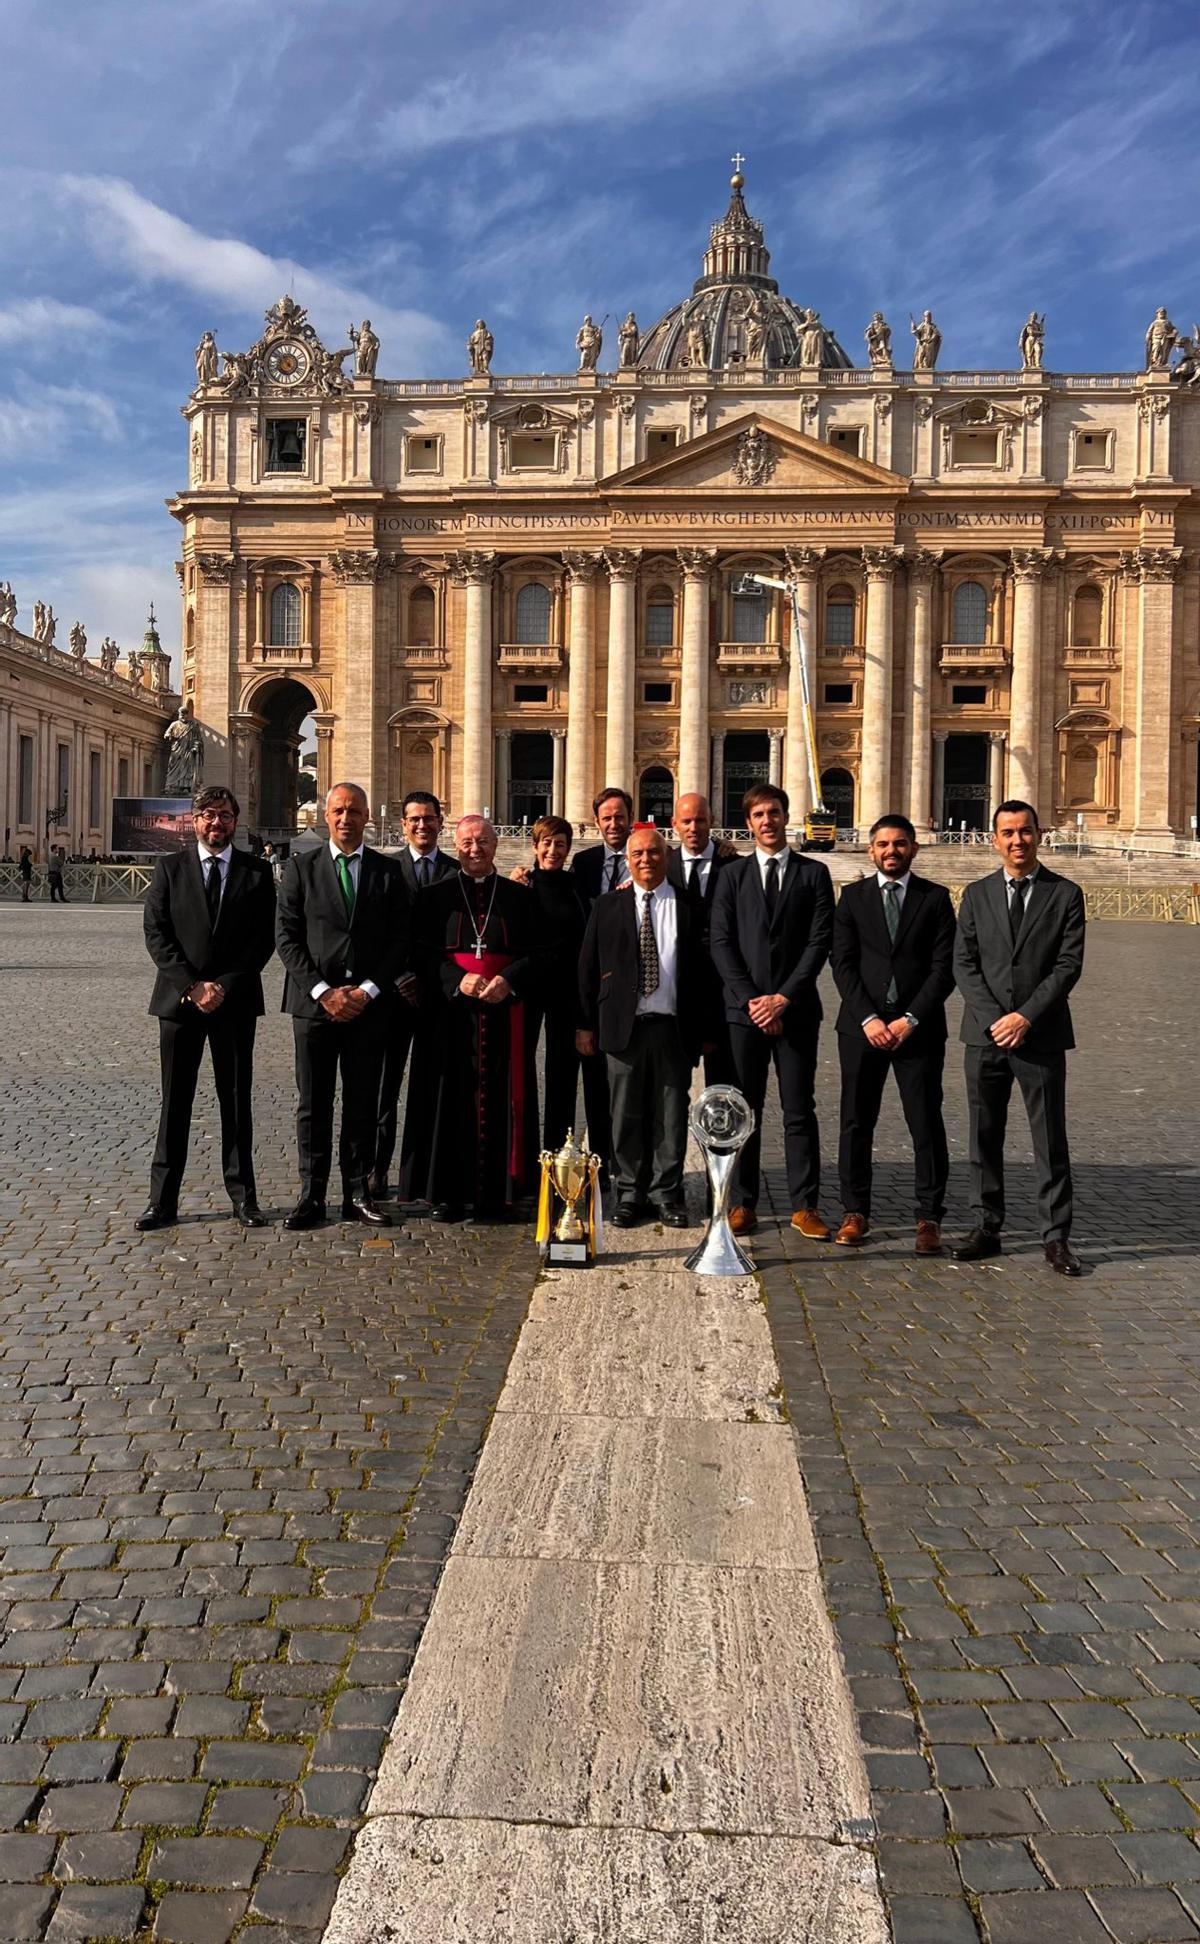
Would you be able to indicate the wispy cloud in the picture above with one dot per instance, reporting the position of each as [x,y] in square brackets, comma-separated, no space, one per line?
[47,420]
[39,324]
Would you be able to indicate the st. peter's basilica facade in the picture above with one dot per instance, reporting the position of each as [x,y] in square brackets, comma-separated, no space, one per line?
[516,589]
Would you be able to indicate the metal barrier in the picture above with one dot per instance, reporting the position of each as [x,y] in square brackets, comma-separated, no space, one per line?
[82,883]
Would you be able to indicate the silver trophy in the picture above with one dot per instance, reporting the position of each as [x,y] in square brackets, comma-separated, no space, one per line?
[722,1122]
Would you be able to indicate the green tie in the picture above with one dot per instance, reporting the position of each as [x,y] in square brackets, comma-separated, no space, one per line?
[891,911]
[347,883]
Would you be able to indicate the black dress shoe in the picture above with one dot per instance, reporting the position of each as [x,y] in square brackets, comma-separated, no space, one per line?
[979,1243]
[360,1208]
[627,1214]
[672,1214]
[1062,1259]
[156,1218]
[250,1215]
[446,1212]
[307,1214]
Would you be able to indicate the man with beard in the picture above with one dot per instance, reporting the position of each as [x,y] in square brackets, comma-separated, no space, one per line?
[477,955]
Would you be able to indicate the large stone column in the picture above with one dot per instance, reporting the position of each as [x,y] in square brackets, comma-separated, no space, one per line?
[803,564]
[717,798]
[558,785]
[996,791]
[581,685]
[473,572]
[363,671]
[693,687]
[216,661]
[502,808]
[1155,716]
[775,756]
[921,570]
[939,776]
[875,773]
[1029,567]
[622,565]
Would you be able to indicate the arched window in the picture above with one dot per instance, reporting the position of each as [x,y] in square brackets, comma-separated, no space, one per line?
[1082,772]
[970,613]
[420,618]
[533,613]
[660,618]
[285,615]
[1088,617]
[750,616]
[839,616]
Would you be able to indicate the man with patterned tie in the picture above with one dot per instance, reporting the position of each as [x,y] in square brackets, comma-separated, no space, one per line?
[893,964]
[209,923]
[343,933]
[1018,955]
[641,999]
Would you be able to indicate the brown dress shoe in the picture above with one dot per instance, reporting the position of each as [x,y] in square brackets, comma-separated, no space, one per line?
[743,1220]
[808,1221]
[851,1233]
[929,1238]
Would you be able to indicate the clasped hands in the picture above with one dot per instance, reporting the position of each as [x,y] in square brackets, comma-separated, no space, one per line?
[1010,1031]
[767,1012]
[475,986]
[206,995]
[342,1003]
[887,1035]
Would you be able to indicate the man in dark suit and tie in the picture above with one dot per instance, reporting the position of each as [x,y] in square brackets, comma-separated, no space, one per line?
[596,871]
[640,1001]
[422,865]
[772,924]
[694,870]
[1019,954]
[893,964]
[209,922]
[343,933]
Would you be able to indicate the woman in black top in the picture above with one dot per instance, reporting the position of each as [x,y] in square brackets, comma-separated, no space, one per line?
[559,930]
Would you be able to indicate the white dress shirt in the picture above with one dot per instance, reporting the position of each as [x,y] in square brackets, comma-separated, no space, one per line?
[222,857]
[764,858]
[613,873]
[419,860]
[664,921]
[354,860]
[1011,883]
[698,863]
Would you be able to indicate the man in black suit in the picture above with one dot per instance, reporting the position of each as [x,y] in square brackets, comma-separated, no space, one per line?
[422,865]
[694,870]
[640,1000]
[772,923]
[596,871]
[893,964]
[1018,955]
[343,933]
[209,923]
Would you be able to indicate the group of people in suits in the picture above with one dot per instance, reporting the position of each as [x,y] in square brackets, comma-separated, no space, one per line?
[632,966]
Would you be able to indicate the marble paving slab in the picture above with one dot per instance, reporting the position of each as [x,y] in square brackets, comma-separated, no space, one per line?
[654,1697]
[439,1882]
[638,1490]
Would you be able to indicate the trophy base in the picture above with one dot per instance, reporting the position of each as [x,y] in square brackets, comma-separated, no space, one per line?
[567,1255]
[719,1254]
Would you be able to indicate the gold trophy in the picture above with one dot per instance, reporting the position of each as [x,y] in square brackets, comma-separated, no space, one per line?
[574,1176]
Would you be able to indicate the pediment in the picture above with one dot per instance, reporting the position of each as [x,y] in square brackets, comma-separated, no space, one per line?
[756,454]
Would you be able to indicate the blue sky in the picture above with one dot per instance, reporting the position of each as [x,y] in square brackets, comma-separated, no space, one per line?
[167,169]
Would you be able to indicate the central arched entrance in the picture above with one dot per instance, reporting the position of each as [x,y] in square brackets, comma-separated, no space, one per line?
[272,783]
[837,794]
[656,796]
[747,761]
[965,790]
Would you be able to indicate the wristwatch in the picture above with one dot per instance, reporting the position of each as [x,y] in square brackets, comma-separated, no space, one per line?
[913,1021]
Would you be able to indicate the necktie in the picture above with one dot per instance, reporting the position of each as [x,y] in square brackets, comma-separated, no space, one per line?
[647,952]
[1016,907]
[694,887]
[614,871]
[347,884]
[426,873]
[772,887]
[891,911]
[212,892]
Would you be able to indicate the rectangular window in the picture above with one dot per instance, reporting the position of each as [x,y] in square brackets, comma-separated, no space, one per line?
[975,448]
[660,624]
[839,691]
[94,789]
[661,439]
[62,774]
[847,438]
[969,692]
[1093,451]
[423,455]
[839,624]
[123,776]
[25,780]
[534,451]
[287,442]
[656,691]
[530,692]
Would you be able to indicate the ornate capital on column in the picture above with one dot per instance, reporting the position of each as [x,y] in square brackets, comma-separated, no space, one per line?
[622,562]
[923,565]
[217,567]
[1156,564]
[581,567]
[997,737]
[1034,563]
[559,735]
[504,735]
[475,410]
[941,735]
[803,562]
[881,563]
[471,568]
[354,567]
[775,735]
[696,561]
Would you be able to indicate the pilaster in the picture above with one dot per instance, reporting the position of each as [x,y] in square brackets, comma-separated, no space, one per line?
[473,572]
[696,563]
[581,685]
[921,570]
[622,563]
[803,564]
[875,770]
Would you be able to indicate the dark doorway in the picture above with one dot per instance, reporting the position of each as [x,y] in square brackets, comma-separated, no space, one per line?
[531,785]
[965,794]
[271,810]
[747,761]
[837,794]
[656,797]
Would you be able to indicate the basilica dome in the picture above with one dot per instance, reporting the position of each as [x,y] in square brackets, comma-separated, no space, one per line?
[735,318]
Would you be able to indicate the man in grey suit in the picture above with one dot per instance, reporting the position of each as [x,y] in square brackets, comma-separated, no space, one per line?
[1018,953]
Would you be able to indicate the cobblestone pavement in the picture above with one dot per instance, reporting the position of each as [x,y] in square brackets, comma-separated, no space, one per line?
[1004,1476]
[230,1465]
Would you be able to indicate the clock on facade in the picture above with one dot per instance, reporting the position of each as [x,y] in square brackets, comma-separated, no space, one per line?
[287,363]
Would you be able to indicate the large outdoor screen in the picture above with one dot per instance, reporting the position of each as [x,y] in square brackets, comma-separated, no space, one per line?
[151,823]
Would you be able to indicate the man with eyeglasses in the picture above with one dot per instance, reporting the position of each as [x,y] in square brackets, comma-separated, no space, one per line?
[209,922]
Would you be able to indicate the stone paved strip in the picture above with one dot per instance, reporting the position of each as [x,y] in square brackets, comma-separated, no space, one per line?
[230,1469]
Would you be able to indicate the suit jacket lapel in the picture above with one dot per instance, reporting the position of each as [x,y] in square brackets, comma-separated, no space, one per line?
[996,892]
[1041,892]
[909,906]
[791,871]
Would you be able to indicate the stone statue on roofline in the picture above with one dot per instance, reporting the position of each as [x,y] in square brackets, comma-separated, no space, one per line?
[78,640]
[366,349]
[480,346]
[1032,342]
[588,343]
[928,342]
[1161,340]
[185,746]
[206,361]
[627,343]
[879,340]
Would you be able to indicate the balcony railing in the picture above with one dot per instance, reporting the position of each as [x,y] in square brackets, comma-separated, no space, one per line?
[272,654]
[1079,657]
[974,654]
[531,654]
[749,654]
[425,656]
